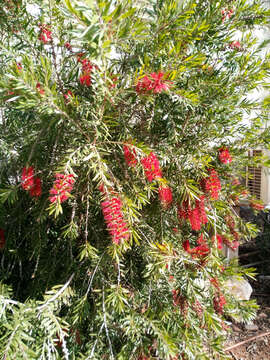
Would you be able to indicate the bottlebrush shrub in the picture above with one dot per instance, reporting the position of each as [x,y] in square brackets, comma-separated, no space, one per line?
[137,100]
[30,182]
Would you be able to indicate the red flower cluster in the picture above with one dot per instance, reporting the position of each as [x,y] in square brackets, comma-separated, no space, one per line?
[226,14]
[27,177]
[45,34]
[2,239]
[219,302]
[231,244]
[215,283]
[201,250]
[113,215]
[87,67]
[244,193]
[165,196]
[62,187]
[40,89]
[196,216]
[153,83]
[151,167]
[224,155]
[256,205]
[130,156]
[219,239]
[197,307]
[211,185]
[30,182]
[68,46]
[231,225]
[235,45]
[36,188]
[181,301]
[68,96]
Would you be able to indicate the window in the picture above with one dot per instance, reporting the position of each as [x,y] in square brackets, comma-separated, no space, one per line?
[254,176]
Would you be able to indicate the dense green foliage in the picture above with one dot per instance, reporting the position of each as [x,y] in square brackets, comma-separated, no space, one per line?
[67,290]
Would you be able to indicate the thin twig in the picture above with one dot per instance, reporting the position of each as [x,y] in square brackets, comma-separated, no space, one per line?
[249,254]
[235,358]
[119,274]
[57,294]
[105,323]
[94,346]
[92,277]
[87,214]
[246,341]
[255,263]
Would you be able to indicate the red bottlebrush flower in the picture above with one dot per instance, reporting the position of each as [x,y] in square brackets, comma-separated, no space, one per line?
[158,84]
[212,184]
[235,234]
[114,82]
[101,188]
[62,187]
[2,239]
[68,96]
[85,79]
[234,245]
[222,269]
[256,205]
[113,216]
[201,208]
[201,250]
[45,34]
[155,82]
[215,283]
[230,222]
[197,307]
[226,14]
[219,301]
[195,219]
[231,244]
[79,56]
[68,46]
[235,45]
[19,66]
[224,155]
[196,216]
[28,178]
[151,167]
[181,301]
[36,188]
[186,246]
[130,156]
[244,193]
[219,242]
[165,195]
[40,89]
[87,67]
[144,85]
[184,210]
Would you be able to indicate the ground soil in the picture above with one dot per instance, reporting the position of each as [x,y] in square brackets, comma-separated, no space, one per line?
[258,347]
